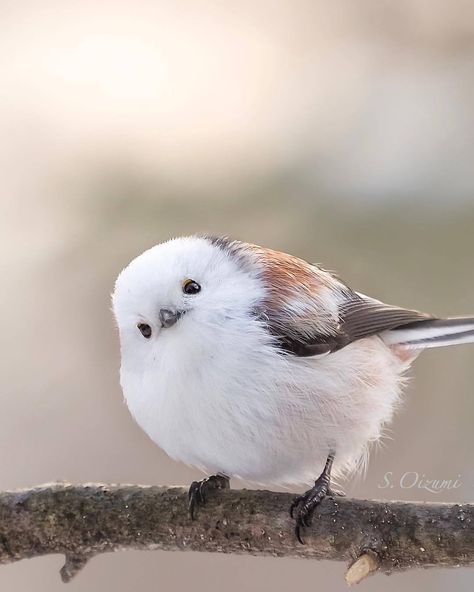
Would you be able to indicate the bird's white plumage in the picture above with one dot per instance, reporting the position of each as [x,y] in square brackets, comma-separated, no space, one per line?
[215,392]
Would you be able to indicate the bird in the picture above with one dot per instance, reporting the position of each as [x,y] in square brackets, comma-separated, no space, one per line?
[246,362]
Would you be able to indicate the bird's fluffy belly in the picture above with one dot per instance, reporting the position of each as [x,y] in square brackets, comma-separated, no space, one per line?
[274,423]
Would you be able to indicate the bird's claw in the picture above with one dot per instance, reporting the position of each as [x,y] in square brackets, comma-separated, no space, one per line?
[198,490]
[307,503]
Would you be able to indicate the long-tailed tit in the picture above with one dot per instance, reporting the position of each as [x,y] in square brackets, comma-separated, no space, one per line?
[247,362]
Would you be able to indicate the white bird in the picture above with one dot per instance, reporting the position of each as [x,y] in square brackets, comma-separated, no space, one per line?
[251,363]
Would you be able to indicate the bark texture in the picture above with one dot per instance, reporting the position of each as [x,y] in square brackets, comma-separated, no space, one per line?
[81,521]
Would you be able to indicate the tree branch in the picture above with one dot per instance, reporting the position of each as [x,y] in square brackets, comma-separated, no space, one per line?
[81,521]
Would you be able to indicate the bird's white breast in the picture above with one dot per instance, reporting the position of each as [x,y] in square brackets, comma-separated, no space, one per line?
[221,397]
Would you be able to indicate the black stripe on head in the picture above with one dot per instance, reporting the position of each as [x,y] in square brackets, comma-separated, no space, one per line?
[238,250]
[223,242]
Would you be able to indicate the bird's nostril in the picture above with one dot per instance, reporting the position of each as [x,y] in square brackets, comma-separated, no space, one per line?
[168,317]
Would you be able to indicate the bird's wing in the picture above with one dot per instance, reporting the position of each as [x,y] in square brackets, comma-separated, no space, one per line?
[311,312]
[357,318]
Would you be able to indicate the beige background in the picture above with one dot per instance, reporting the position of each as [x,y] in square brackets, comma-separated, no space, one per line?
[342,132]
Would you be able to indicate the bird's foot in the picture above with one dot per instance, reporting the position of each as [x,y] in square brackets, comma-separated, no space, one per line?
[197,494]
[305,504]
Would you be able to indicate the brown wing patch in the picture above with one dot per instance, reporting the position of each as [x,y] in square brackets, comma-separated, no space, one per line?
[309,310]
[287,276]
[300,305]
[301,302]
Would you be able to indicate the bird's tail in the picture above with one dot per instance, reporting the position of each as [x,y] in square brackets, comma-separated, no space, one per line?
[432,333]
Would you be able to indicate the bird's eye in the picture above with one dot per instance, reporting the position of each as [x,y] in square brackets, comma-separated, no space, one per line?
[191,287]
[145,330]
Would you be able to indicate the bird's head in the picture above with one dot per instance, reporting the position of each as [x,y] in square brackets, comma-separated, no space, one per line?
[184,291]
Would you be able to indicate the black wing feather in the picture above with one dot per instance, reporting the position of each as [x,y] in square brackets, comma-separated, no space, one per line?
[359,317]
[362,317]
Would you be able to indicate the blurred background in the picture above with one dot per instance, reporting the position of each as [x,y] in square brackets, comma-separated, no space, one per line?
[340,131]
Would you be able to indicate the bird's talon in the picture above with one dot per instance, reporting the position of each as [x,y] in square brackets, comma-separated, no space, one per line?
[202,493]
[294,504]
[307,504]
[298,534]
[197,493]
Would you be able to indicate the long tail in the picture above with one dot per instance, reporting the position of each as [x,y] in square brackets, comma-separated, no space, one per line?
[432,333]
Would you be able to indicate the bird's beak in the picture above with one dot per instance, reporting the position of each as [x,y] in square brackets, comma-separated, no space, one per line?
[169,317]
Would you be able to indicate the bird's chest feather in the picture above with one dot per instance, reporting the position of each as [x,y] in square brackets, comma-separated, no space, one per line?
[232,403]
[209,397]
